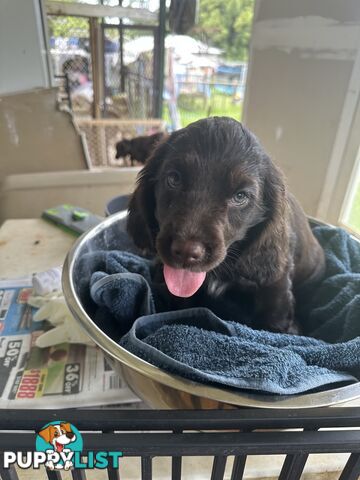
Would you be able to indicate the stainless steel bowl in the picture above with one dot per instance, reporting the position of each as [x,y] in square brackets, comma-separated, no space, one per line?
[156,387]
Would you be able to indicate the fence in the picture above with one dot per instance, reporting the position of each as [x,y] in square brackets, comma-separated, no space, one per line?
[123,57]
[128,74]
[72,64]
[229,436]
[199,96]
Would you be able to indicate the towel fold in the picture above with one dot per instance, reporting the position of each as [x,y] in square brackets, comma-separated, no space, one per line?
[199,345]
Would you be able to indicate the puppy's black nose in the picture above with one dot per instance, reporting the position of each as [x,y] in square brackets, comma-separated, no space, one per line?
[187,252]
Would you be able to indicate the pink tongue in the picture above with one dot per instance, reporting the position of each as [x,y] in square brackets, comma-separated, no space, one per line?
[183,283]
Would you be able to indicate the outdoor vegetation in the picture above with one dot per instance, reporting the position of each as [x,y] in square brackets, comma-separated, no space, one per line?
[226,25]
[354,217]
[193,108]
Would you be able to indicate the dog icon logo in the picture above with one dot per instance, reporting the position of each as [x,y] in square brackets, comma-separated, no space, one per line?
[59,440]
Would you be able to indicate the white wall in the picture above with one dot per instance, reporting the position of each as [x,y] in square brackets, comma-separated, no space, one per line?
[22,51]
[302,92]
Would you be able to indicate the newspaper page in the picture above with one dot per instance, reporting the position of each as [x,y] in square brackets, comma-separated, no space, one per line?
[61,376]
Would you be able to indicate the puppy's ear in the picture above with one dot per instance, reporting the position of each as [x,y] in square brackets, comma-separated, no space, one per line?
[270,250]
[66,427]
[142,225]
[47,433]
[274,194]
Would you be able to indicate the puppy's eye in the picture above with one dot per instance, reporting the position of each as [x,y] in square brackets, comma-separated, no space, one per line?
[56,434]
[240,198]
[173,179]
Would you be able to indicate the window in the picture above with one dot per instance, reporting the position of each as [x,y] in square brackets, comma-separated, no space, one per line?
[350,216]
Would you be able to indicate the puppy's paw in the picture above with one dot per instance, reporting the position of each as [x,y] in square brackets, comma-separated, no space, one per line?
[290,327]
[50,465]
[281,325]
[68,464]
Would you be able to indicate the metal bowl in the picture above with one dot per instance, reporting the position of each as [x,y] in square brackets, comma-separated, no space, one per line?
[117,204]
[156,387]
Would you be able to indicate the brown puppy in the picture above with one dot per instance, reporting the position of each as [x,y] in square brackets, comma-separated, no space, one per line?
[138,148]
[216,210]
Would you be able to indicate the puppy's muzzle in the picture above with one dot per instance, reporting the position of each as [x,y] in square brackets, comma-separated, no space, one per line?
[187,253]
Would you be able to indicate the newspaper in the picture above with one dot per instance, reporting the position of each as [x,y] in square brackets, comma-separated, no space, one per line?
[61,376]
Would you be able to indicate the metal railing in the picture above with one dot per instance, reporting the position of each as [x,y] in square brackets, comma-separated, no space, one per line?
[177,434]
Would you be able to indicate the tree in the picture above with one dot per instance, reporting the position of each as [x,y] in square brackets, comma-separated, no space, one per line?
[68,27]
[226,25]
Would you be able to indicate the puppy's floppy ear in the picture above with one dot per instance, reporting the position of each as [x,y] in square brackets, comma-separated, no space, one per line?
[274,193]
[270,250]
[46,433]
[66,426]
[142,224]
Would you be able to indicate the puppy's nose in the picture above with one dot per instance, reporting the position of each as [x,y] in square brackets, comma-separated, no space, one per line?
[187,252]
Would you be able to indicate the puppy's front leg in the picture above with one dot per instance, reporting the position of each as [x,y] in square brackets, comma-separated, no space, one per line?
[275,307]
[50,465]
[50,462]
[68,462]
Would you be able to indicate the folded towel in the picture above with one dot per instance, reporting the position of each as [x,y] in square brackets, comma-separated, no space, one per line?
[199,345]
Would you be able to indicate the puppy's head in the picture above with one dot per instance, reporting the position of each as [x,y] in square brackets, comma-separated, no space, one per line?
[58,435]
[123,148]
[203,189]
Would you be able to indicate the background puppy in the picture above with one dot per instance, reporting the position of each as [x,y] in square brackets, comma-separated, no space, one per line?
[216,210]
[138,148]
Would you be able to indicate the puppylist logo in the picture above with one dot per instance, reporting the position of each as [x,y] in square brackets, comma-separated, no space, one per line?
[58,447]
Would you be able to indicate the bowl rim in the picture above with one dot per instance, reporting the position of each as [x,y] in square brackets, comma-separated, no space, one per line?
[224,395]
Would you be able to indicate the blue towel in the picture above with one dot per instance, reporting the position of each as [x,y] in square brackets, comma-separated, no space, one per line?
[197,344]
[330,309]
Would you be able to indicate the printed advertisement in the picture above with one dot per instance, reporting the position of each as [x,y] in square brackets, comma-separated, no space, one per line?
[60,376]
